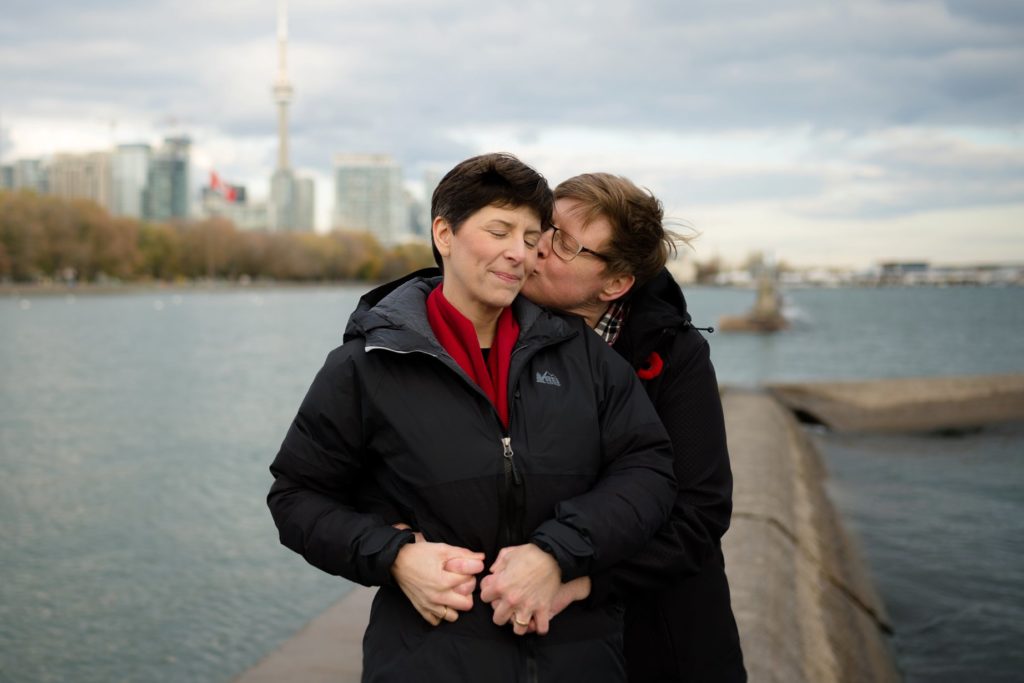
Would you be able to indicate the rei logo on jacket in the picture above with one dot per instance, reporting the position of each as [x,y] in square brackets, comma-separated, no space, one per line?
[548,378]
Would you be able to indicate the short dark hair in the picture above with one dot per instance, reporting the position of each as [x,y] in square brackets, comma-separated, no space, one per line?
[640,245]
[496,179]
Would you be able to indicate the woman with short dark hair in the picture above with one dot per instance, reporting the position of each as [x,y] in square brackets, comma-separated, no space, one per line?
[487,424]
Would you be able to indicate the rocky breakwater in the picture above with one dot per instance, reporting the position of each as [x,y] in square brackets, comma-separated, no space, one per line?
[805,606]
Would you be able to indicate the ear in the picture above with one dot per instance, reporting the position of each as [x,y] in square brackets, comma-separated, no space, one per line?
[616,287]
[442,236]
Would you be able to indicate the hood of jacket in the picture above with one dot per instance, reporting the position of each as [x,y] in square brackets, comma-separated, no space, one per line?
[394,316]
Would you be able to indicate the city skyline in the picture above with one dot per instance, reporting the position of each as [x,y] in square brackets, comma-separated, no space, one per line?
[839,134]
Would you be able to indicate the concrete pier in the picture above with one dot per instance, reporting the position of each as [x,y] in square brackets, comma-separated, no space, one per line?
[806,610]
[903,405]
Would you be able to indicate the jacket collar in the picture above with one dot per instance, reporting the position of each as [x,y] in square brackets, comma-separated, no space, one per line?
[656,307]
[394,316]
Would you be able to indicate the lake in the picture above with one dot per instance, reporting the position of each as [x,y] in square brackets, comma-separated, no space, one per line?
[136,431]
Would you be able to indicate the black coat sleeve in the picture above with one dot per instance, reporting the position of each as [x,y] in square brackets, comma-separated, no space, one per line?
[633,497]
[314,476]
[687,399]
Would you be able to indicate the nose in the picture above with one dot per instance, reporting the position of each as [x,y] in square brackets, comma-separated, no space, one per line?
[516,251]
[544,246]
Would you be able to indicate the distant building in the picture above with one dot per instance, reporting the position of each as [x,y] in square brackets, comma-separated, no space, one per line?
[31,174]
[414,213]
[902,272]
[86,176]
[305,202]
[7,177]
[431,179]
[291,204]
[234,207]
[368,196]
[167,188]
[130,175]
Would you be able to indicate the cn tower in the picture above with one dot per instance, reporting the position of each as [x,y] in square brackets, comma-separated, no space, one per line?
[282,86]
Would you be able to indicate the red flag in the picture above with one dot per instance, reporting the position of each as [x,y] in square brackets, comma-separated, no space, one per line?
[228,192]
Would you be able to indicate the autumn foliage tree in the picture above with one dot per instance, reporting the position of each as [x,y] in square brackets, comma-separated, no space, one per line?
[48,238]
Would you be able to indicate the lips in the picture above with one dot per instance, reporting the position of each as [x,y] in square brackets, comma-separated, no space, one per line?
[510,278]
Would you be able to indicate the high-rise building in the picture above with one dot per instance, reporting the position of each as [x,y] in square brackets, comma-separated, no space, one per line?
[130,174]
[31,174]
[85,176]
[167,188]
[305,201]
[368,196]
[431,179]
[290,206]
[7,177]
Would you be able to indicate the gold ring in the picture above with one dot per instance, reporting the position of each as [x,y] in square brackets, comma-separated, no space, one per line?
[444,614]
[515,618]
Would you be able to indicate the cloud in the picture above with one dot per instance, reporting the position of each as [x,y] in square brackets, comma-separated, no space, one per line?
[819,110]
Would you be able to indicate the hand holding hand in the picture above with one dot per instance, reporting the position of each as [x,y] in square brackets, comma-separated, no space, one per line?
[522,586]
[438,578]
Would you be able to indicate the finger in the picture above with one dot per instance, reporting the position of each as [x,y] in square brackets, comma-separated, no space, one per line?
[401,526]
[500,560]
[466,587]
[488,590]
[520,625]
[457,601]
[429,616]
[502,612]
[542,622]
[464,565]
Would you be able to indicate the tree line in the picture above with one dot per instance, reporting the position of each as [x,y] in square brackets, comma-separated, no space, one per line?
[50,238]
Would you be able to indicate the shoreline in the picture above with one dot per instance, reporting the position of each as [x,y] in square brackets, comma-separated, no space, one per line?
[15,290]
[23,289]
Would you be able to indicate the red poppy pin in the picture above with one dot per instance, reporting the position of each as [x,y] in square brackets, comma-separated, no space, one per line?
[653,368]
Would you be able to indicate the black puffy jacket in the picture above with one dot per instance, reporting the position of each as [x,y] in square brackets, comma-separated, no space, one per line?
[588,477]
[679,620]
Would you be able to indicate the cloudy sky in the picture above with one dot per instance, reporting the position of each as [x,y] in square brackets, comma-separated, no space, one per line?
[822,132]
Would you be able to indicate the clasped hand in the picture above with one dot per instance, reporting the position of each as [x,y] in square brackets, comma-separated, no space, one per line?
[524,585]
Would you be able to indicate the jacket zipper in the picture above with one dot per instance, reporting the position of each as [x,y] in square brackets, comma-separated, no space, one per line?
[515,534]
[514,503]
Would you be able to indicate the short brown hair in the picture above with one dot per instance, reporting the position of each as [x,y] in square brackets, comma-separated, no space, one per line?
[640,244]
[496,179]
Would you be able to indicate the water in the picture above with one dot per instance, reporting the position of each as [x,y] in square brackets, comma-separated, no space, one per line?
[941,522]
[135,435]
[136,431]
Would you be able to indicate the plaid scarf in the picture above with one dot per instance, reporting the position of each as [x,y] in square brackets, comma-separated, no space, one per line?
[611,323]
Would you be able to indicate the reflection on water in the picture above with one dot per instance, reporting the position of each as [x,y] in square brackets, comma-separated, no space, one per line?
[136,431]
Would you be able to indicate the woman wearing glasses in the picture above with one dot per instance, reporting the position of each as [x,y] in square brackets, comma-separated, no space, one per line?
[605,262]
[488,425]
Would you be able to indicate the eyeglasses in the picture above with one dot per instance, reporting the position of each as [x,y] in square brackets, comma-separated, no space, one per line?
[567,247]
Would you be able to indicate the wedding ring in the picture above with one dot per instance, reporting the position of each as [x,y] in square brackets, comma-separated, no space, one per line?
[444,614]
[515,618]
